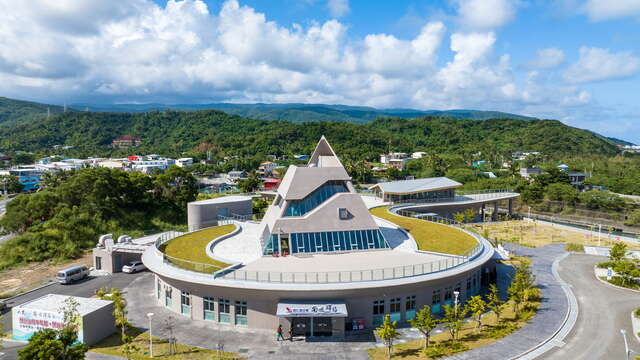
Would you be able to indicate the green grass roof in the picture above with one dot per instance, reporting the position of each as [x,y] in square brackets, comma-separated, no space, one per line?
[189,251]
[430,236]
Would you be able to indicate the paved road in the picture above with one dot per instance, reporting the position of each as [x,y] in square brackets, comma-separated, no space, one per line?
[604,310]
[85,288]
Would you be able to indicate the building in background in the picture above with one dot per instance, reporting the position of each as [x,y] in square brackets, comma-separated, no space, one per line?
[126,141]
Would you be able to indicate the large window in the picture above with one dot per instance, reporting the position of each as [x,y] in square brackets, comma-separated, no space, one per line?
[378,312]
[208,303]
[167,296]
[435,302]
[448,296]
[185,303]
[158,289]
[410,307]
[394,309]
[337,241]
[241,313]
[320,195]
[224,311]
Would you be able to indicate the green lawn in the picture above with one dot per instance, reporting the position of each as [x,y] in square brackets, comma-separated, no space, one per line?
[430,236]
[192,247]
[113,346]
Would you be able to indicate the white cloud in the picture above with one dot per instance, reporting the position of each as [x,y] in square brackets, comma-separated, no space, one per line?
[138,51]
[599,10]
[547,58]
[597,64]
[338,8]
[486,14]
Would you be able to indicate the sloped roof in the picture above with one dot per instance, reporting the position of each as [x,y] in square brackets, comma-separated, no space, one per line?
[301,181]
[417,185]
[324,156]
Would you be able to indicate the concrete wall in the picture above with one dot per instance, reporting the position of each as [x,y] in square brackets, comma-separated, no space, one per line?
[98,325]
[112,262]
[201,214]
[262,304]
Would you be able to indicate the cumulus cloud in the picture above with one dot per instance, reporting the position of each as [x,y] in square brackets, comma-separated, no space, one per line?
[547,58]
[599,10]
[138,51]
[338,8]
[597,64]
[486,14]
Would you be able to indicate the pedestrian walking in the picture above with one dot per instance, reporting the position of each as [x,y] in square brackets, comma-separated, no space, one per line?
[279,333]
[291,333]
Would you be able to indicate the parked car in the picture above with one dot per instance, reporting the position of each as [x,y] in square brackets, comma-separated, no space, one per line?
[72,274]
[133,266]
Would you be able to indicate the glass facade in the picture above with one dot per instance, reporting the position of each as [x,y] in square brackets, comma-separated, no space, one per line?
[167,297]
[435,302]
[337,241]
[320,195]
[208,304]
[427,195]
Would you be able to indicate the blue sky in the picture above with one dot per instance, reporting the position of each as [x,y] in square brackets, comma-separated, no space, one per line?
[577,61]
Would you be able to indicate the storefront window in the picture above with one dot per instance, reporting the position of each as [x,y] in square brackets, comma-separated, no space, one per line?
[185,303]
[410,307]
[241,313]
[224,311]
[209,308]
[394,309]
[158,290]
[378,312]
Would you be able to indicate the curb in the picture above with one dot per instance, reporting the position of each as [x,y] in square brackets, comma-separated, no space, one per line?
[612,285]
[567,324]
[51,282]
[634,328]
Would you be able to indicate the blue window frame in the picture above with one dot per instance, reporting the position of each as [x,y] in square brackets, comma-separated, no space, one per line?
[337,241]
[325,242]
[311,201]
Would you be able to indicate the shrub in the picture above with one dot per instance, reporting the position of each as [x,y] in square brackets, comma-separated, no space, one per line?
[619,281]
[574,247]
[501,330]
[637,313]
[606,264]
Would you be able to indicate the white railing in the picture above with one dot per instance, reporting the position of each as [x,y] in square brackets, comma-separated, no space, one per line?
[460,196]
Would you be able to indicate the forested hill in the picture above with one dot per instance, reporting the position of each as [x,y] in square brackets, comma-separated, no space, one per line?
[307,112]
[174,132]
[16,111]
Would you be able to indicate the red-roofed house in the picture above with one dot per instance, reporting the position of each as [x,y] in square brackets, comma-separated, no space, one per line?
[270,183]
[126,141]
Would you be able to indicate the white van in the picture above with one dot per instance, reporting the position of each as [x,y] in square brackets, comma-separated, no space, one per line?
[72,274]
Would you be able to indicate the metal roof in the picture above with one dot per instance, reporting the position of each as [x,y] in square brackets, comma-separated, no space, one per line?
[417,185]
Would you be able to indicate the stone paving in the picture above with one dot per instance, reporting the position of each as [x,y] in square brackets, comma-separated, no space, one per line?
[550,316]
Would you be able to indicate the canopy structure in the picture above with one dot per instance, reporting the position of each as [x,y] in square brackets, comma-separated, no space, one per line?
[312,309]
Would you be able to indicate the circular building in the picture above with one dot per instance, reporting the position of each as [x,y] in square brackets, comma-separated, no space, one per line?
[319,263]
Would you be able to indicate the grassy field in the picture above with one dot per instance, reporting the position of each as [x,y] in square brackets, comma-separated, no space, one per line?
[191,248]
[533,234]
[430,236]
[113,346]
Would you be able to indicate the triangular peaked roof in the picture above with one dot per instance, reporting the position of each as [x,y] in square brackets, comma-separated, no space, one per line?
[324,156]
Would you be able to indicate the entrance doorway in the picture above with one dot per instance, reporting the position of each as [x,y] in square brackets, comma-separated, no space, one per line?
[322,326]
[301,326]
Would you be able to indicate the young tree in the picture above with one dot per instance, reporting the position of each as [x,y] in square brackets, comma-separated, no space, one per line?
[494,303]
[477,306]
[627,270]
[58,344]
[618,252]
[119,307]
[10,184]
[425,323]
[469,215]
[128,346]
[388,333]
[521,285]
[453,319]
[458,217]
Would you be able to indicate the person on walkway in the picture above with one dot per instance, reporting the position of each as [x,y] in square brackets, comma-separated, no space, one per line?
[291,333]
[279,333]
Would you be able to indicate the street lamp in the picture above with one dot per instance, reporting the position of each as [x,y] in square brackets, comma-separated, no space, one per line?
[455,301]
[150,315]
[599,231]
[529,213]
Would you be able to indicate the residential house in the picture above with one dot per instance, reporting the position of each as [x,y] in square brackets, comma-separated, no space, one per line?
[270,183]
[266,168]
[126,141]
[386,158]
[527,173]
[418,155]
[184,162]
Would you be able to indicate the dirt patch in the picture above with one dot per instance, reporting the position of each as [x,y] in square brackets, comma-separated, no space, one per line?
[35,274]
